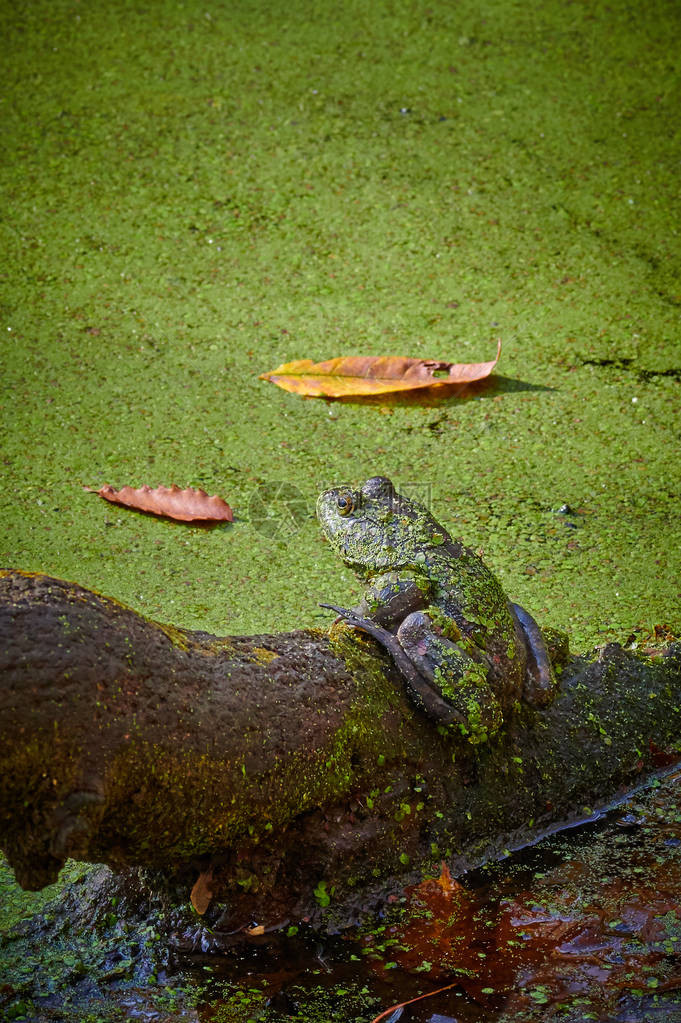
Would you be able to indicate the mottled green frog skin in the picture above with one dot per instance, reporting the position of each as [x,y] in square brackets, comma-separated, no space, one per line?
[464,641]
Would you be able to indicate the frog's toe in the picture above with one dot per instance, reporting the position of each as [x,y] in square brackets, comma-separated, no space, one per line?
[340,617]
[346,614]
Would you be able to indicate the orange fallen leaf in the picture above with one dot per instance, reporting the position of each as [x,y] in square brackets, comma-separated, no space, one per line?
[374,374]
[184,505]
[446,882]
[202,892]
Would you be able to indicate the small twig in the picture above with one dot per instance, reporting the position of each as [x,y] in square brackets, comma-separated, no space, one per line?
[410,1001]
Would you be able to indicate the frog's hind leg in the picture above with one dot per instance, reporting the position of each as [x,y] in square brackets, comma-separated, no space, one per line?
[539,676]
[460,679]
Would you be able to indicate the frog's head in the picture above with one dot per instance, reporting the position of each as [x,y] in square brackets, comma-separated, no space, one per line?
[374,529]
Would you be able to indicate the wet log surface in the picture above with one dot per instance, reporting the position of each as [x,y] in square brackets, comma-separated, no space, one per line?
[290,770]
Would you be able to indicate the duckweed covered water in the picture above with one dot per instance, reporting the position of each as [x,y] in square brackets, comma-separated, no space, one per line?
[194,193]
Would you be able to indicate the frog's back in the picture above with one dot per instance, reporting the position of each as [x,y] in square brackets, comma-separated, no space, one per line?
[472,595]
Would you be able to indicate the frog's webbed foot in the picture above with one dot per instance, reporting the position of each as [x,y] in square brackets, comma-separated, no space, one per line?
[418,688]
[540,679]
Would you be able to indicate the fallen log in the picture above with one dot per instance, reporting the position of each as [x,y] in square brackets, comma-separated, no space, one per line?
[289,772]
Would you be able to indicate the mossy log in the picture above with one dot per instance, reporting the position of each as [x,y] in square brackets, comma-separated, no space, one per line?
[291,770]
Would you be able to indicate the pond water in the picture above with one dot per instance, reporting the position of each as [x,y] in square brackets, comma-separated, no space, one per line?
[586,925]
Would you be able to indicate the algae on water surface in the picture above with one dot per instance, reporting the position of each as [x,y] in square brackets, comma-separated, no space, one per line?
[195,193]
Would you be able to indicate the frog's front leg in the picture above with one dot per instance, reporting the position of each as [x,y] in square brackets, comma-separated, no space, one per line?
[456,677]
[419,689]
[391,597]
[441,678]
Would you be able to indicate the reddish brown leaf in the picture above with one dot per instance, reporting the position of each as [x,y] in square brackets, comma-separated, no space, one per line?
[184,505]
[375,374]
[202,892]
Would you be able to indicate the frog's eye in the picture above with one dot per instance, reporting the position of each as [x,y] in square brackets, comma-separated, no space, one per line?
[345,504]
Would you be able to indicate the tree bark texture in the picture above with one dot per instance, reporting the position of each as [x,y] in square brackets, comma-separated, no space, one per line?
[291,770]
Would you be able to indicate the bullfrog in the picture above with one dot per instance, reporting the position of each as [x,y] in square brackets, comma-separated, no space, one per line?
[466,654]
